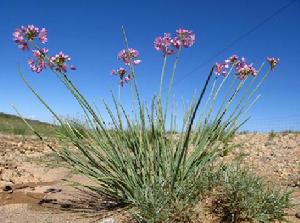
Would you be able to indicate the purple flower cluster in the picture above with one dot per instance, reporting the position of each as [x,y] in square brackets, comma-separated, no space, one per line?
[221,68]
[129,57]
[168,45]
[121,72]
[38,64]
[164,44]
[25,35]
[58,62]
[242,68]
[184,38]
[273,62]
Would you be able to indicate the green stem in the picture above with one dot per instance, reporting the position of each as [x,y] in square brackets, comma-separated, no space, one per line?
[162,75]
[119,92]
[172,81]
[132,72]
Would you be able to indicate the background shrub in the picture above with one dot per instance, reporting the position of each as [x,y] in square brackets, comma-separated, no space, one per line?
[248,197]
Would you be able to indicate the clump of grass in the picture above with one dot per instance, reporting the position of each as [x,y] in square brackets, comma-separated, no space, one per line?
[19,130]
[247,197]
[182,206]
[272,134]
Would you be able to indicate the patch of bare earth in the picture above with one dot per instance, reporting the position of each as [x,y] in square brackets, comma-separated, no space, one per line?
[31,192]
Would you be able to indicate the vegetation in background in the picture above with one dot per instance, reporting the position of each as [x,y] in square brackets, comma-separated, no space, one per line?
[246,197]
[11,124]
[272,134]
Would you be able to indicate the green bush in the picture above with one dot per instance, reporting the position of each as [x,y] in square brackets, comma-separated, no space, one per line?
[19,130]
[159,206]
[272,135]
[248,197]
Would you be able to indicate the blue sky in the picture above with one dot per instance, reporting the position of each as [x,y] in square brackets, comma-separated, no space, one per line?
[89,31]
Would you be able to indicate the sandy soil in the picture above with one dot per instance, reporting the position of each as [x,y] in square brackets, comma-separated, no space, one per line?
[32,192]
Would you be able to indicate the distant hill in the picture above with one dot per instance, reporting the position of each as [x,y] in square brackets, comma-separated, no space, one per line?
[12,124]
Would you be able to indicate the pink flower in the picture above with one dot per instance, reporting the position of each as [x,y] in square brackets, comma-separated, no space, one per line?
[233,58]
[23,46]
[168,45]
[243,69]
[184,38]
[164,44]
[221,68]
[128,78]
[128,56]
[40,53]
[43,35]
[136,62]
[273,62]
[38,64]
[58,62]
[125,80]
[31,32]
[18,37]
[121,72]
[23,35]
[35,68]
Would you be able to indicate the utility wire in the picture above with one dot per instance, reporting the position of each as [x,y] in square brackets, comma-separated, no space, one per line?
[239,38]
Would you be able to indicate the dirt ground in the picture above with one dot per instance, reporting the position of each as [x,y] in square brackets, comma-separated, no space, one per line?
[34,189]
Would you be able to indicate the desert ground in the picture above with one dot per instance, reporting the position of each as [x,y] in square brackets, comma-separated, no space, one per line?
[35,186]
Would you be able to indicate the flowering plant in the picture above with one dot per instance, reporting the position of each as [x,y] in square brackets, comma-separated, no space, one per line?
[141,161]
[26,38]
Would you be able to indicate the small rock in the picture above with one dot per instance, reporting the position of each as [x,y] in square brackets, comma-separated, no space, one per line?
[66,205]
[52,190]
[8,189]
[47,201]
[107,220]
[297,215]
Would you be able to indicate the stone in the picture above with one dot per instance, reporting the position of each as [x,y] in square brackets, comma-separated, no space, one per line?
[297,215]
[107,220]
[7,189]
[52,190]
[66,205]
[47,201]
